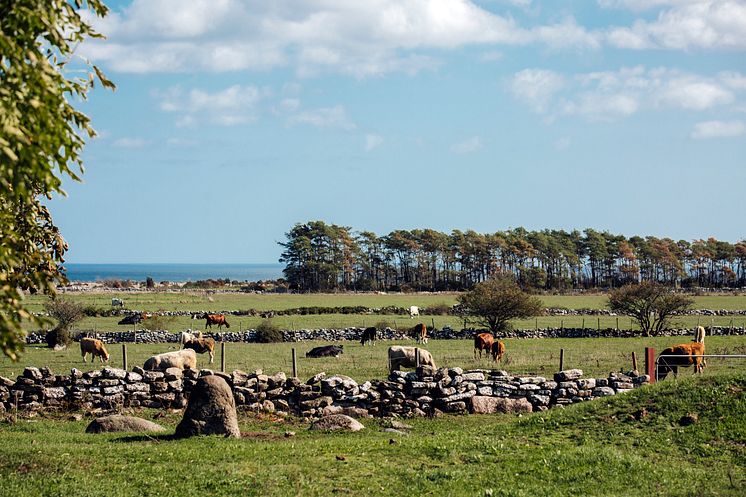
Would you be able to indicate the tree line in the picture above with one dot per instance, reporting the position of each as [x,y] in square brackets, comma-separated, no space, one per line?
[326,257]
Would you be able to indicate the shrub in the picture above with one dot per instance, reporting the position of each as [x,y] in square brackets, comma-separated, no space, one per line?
[58,338]
[439,309]
[66,313]
[267,332]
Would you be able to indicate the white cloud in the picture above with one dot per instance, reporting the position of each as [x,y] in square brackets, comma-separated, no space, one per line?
[372,141]
[718,129]
[468,145]
[357,38]
[610,95]
[683,25]
[234,105]
[130,142]
[328,117]
[537,87]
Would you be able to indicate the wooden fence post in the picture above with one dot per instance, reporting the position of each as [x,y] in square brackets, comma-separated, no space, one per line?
[617,323]
[222,357]
[124,356]
[295,364]
[598,325]
[634,361]
[650,363]
[562,360]
[417,357]
[583,323]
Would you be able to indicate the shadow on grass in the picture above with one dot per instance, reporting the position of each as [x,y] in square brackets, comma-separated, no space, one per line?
[147,438]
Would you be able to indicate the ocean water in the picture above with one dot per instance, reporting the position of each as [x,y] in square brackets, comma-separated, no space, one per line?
[173,272]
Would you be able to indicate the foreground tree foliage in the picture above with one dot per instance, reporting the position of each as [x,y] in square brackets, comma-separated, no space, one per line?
[650,304]
[493,303]
[41,140]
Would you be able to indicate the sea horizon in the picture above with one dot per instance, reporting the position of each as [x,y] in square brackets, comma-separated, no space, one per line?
[172,271]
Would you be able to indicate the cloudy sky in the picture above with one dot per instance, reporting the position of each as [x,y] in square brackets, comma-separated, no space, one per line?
[234,120]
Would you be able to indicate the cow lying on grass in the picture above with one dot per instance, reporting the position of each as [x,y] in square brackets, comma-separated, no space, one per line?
[325,351]
[94,347]
[202,345]
[400,356]
[182,359]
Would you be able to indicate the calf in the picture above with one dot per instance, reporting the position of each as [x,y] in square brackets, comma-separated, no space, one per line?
[406,357]
[202,345]
[325,351]
[420,333]
[369,335]
[498,349]
[483,341]
[94,347]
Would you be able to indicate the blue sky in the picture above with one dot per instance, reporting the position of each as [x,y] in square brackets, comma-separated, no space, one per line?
[234,120]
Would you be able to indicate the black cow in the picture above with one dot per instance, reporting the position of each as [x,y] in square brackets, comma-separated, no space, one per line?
[369,335]
[131,319]
[325,351]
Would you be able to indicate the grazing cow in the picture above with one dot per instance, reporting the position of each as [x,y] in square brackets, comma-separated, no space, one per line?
[185,336]
[202,345]
[483,341]
[325,351]
[369,335]
[218,319]
[414,311]
[420,333]
[115,302]
[683,355]
[182,359]
[498,349]
[131,319]
[405,357]
[94,347]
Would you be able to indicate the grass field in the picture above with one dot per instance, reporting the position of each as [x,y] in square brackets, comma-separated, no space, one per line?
[199,301]
[628,445]
[595,356]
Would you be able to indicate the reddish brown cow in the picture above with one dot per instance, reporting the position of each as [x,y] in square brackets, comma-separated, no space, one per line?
[683,355]
[482,341]
[95,348]
[202,345]
[498,349]
[420,333]
[218,319]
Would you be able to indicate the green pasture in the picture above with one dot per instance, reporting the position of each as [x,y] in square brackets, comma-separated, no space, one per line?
[595,356]
[206,301]
[628,445]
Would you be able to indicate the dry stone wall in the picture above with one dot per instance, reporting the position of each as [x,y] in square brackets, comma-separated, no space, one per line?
[424,392]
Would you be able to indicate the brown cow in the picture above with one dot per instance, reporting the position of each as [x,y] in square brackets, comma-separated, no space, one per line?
[218,319]
[498,349]
[202,345]
[94,347]
[420,333]
[683,355]
[482,341]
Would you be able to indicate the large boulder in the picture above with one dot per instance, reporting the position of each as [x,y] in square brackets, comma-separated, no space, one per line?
[491,405]
[335,422]
[211,410]
[118,422]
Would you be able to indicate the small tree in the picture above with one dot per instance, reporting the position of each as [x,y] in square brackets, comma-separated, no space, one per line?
[650,304]
[66,313]
[493,303]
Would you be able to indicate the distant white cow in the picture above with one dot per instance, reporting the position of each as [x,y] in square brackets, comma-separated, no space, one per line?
[413,311]
[115,302]
[186,336]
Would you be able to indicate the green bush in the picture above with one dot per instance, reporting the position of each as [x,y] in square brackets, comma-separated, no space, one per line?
[58,337]
[267,332]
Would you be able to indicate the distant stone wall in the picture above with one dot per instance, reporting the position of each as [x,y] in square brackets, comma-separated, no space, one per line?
[425,392]
[354,334]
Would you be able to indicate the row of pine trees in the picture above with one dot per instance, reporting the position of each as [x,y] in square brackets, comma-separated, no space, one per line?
[326,257]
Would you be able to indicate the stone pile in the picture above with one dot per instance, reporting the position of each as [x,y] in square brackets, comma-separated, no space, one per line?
[424,392]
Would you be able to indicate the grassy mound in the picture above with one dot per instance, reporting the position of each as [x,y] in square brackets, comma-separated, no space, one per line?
[685,437]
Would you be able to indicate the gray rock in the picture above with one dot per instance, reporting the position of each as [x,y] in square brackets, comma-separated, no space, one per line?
[490,405]
[337,422]
[117,423]
[211,410]
[568,375]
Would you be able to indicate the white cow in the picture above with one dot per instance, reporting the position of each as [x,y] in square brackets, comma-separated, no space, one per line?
[115,302]
[413,311]
[182,359]
[186,336]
